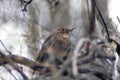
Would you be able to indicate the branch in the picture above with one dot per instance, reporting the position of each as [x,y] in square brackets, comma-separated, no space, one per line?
[92,18]
[118,19]
[15,66]
[102,20]
[26,4]
[22,60]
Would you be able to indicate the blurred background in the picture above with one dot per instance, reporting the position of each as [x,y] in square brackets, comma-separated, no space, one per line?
[23,29]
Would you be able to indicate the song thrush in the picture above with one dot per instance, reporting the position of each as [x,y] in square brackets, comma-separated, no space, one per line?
[56,47]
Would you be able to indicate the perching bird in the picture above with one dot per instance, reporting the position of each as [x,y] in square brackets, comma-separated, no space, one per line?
[56,47]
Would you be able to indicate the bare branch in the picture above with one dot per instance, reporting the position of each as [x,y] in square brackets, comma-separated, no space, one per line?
[14,66]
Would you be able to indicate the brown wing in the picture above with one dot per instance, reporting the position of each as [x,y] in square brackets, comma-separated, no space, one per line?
[43,52]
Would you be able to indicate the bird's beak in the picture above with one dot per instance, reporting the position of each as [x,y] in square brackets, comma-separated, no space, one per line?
[71,29]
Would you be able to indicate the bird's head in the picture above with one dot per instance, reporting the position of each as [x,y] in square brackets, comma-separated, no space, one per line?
[65,30]
[63,34]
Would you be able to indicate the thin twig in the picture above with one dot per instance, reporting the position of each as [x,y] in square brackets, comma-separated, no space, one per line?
[25,7]
[92,18]
[16,67]
[4,65]
[88,10]
[118,19]
[102,20]
[75,55]
[5,47]
[10,72]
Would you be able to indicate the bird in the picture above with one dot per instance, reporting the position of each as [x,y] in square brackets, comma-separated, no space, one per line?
[56,47]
